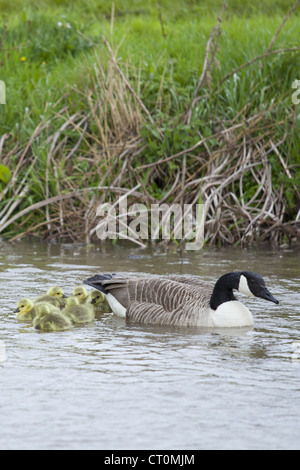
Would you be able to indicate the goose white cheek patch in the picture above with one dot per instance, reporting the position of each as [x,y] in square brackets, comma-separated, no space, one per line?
[243,287]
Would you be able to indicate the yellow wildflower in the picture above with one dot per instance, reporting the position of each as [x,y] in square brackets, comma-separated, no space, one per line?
[23,59]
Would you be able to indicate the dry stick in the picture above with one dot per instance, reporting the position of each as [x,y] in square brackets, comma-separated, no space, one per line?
[267,202]
[171,190]
[120,199]
[195,146]
[57,134]
[14,151]
[49,157]
[35,133]
[285,167]
[161,19]
[121,222]
[35,206]
[87,218]
[15,204]
[51,153]
[75,148]
[128,84]
[216,30]
[13,178]
[2,140]
[61,197]
[228,180]
[282,24]
[19,194]
[279,51]
[78,128]
[179,154]
[140,181]
[31,229]
[126,236]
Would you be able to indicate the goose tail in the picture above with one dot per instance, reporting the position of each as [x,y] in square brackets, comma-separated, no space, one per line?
[97,281]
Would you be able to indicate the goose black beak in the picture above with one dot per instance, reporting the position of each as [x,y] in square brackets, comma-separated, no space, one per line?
[64,296]
[265,294]
[93,301]
[16,310]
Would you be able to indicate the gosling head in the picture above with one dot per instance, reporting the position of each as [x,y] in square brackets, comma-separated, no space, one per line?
[24,306]
[80,293]
[72,301]
[97,297]
[56,292]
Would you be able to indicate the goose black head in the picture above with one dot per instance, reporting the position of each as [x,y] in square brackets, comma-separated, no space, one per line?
[246,282]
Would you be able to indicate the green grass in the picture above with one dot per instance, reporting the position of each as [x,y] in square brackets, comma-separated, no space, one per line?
[57,57]
[49,51]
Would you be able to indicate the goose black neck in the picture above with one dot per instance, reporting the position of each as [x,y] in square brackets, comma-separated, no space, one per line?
[223,290]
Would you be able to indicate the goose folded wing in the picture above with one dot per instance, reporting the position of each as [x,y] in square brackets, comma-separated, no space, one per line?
[149,313]
[161,291]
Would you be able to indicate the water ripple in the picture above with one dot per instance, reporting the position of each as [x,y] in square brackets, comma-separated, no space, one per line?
[118,385]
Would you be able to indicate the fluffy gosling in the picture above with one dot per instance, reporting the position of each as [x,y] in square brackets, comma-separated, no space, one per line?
[81,294]
[78,313]
[27,310]
[55,296]
[99,302]
[46,320]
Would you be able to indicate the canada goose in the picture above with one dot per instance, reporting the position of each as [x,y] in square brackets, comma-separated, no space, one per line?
[54,296]
[27,310]
[78,313]
[81,294]
[46,320]
[99,302]
[182,300]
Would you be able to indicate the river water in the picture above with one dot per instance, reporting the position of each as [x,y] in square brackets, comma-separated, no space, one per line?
[117,385]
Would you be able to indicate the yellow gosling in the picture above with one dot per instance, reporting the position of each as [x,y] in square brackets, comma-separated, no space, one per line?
[99,302]
[81,294]
[26,310]
[55,296]
[78,313]
[46,320]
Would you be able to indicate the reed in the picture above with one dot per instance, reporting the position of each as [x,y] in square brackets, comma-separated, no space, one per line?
[223,143]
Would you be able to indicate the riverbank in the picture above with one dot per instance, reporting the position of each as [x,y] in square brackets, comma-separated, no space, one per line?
[158,104]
